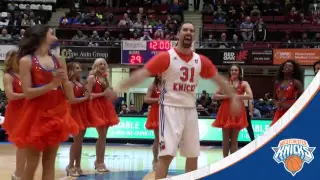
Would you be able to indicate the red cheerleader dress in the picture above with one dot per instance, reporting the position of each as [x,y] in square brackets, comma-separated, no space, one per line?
[46,120]
[83,113]
[14,107]
[103,106]
[153,116]
[224,120]
[285,94]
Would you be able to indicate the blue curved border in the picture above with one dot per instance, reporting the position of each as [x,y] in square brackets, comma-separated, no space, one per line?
[255,161]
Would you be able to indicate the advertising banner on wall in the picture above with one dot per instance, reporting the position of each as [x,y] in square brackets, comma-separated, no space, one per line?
[238,56]
[302,56]
[89,54]
[134,128]
[4,49]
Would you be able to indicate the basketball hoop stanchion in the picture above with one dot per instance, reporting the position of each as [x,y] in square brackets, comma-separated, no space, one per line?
[287,150]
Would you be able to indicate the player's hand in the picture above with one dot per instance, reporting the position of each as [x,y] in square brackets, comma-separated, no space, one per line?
[59,75]
[235,106]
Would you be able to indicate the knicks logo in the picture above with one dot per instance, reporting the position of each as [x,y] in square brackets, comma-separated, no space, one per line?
[293,153]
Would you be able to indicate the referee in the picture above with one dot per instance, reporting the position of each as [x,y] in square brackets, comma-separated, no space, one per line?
[249,110]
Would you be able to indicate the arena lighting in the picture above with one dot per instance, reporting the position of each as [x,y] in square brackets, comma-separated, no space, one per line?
[232,162]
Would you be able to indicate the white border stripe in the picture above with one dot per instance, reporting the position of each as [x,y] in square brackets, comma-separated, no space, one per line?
[260,141]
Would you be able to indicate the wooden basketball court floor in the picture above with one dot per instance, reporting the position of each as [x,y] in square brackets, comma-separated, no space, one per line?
[125,161]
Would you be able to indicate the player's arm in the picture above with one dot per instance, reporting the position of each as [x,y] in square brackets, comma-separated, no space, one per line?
[209,71]
[157,65]
[68,87]
[218,95]
[148,99]
[248,95]
[8,88]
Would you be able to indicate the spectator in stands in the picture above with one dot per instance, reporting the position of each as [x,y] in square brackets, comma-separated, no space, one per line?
[202,111]
[109,20]
[125,21]
[207,8]
[65,20]
[141,13]
[147,27]
[260,31]
[235,43]
[287,41]
[152,21]
[255,11]
[80,39]
[158,35]
[19,36]
[138,24]
[27,10]
[314,7]
[5,37]
[223,44]
[171,24]
[135,36]
[160,25]
[94,39]
[219,16]
[132,109]
[293,16]
[243,9]
[246,29]
[11,6]
[108,40]
[146,36]
[210,42]
[304,42]
[303,19]
[124,109]
[25,20]
[77,19]
[316,39]
[92,19]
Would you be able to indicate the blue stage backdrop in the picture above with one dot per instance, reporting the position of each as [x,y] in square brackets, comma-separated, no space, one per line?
[288,150]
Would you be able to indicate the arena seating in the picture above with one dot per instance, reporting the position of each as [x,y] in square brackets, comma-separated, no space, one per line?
[155,14]
[282,21]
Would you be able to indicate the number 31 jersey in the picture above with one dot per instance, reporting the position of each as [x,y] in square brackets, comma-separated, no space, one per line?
[180,80]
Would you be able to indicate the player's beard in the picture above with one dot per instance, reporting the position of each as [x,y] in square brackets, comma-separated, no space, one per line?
[186,43]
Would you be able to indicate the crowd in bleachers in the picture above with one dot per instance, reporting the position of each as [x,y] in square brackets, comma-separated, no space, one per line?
[17,15]
[102,25]
[240,24]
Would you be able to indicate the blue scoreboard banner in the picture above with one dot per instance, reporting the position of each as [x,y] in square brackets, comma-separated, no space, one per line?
[139,52]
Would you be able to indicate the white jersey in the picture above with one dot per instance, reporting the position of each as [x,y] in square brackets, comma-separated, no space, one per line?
[180,80]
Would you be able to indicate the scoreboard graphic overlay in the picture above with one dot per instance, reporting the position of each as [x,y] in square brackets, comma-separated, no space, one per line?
[288,150]
[139,52]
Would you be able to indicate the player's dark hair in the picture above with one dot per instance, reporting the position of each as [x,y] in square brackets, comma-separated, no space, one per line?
[315,64]
[32,40]
[183,23]
[296,74]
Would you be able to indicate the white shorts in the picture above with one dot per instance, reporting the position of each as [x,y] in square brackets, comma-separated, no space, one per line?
[178,127]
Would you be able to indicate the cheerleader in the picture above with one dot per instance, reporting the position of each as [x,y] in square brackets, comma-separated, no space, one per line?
[13,90]
[45,120]
[316,67]
[99,89]
[83,113]
[287,88]
[152,97]
[232,125]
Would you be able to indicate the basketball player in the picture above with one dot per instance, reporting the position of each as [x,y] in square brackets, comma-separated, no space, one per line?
[180,70]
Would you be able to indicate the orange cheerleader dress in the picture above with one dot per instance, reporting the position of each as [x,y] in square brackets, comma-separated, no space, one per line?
[285,94]
[14,107]
[83,113]
[103,106]
[153,115]
[225,120]
[45,120]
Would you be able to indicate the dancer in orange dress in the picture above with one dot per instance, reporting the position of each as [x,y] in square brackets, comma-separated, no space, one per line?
[83,113]
[99,88]
[232,125]
[45,120]
[152,97]
[287,88]
[13,90]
